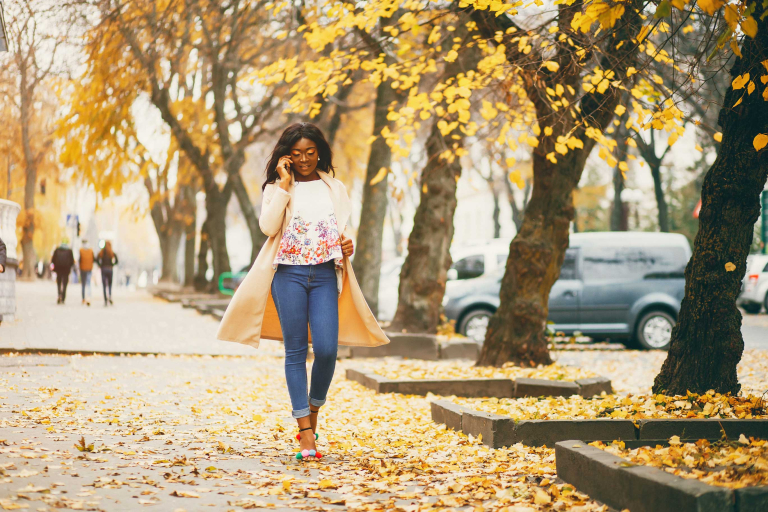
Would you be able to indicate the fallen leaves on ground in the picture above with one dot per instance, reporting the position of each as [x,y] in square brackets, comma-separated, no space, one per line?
[735,463]
[709,405]
[396,369]
[194,432]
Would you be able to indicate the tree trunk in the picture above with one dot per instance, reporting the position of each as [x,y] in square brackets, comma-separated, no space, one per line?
[30,184]
[169,249]
[516,332]
[706,343]
[619,221]
[190,227]
[496,211]
[661,202]
[423,276]
[216,208]
[201,282]
[367,262]
[246,206]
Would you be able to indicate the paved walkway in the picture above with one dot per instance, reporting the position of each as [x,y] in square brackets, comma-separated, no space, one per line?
[138,322]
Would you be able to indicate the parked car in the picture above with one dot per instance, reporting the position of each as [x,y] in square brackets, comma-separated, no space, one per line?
[469,261]
[626,286]
[754,290]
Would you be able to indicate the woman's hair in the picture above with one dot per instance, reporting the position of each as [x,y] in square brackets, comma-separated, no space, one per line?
[291,136]
[108,250]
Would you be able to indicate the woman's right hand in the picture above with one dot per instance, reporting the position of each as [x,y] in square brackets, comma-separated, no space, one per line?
[284,171]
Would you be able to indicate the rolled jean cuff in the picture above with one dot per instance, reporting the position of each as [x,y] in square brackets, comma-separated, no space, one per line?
[301,413]
[315,402]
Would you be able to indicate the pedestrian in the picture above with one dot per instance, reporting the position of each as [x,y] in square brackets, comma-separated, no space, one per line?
[106,260]
[2,256]
[86,267]
[62,261]
[301,287]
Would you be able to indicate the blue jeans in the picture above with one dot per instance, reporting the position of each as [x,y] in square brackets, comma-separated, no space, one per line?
[306,295]
[85,276]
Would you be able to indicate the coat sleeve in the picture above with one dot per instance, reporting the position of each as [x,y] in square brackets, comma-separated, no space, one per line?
[2,254]
[273,209]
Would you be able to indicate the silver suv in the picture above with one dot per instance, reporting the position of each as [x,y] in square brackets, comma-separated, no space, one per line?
[626,286]
[754,289]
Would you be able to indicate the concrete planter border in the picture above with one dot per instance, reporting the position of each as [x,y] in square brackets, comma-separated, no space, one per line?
[622,485]
[499,431]
[499,388]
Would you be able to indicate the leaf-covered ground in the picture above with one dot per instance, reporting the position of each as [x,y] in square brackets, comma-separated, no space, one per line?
[171,433]
[463,369]
[733,463]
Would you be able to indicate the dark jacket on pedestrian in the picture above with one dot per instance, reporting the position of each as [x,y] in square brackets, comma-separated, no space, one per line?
[2,254]
[104,261]
[62,260]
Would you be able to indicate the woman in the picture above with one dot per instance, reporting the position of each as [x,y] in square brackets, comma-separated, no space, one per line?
[301,286]
[106,260]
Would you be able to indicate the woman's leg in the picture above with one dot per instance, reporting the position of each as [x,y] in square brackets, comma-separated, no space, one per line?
[109,279]
[323,309]
[104,283]
[289,291]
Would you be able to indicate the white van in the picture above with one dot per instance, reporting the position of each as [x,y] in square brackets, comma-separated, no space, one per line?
[754,289]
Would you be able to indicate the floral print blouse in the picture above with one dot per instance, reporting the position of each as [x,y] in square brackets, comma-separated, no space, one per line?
[312,236]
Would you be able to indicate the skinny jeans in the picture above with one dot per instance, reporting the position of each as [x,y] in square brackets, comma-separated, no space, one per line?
[306,295]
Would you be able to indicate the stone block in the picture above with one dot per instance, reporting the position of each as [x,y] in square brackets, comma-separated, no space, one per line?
[693,429]
[550,432]
[540,387]
[411,346]
[471,388]
[459,350]
[752,499]
[594,386]
[615,482]
[497,431]
[448,414]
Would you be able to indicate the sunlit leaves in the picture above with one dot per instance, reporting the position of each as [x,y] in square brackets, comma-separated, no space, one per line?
[760,141]
[710,6]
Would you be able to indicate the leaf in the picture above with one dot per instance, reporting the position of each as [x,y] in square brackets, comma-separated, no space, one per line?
[730,267]
[760,141]
[743,439]
[326,484]
[710,6]
[185,494]
[674,440]
[379,176]
[718,136]
[551,66]
[541,498]
[663,10]
[749,26]
[82,446]
[740,81]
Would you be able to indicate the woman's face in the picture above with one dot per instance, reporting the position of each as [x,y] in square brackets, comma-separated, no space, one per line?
[304,157]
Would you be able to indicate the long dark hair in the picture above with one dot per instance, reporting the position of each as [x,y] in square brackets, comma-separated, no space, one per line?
[291,136]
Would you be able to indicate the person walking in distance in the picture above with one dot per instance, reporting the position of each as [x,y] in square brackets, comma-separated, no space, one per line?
[86,267]
[62,261]
[302,283]
[3,256]
[106,260]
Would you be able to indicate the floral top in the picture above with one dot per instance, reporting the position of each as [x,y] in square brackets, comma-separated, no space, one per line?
[312,236]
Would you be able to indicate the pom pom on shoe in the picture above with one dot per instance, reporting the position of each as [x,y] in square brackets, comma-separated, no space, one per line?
[312,453]
[298,456]
[305,453]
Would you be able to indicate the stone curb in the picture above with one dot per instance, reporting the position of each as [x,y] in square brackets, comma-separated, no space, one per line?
[499,431]
[622,485]
[419,346]
[477,388]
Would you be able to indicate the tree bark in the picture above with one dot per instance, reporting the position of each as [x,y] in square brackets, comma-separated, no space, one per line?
[661,202]
[707,343]
[190,227]
[496,211]
[619,221]
[201,282]
[516,332]
[367,262]
[424,272]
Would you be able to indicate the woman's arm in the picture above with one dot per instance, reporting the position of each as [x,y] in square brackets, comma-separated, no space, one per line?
[273,209]
[115,255]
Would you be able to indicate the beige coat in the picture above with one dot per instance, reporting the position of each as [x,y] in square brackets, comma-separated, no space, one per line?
[252,315]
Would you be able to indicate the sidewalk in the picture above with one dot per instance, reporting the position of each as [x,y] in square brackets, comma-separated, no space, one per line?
[137,323]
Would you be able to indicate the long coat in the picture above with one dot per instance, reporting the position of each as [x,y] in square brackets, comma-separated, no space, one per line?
[251,315]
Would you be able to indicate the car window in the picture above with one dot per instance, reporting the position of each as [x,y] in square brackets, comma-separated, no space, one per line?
[568,270]
[469,267]
[766,268]
[628,263]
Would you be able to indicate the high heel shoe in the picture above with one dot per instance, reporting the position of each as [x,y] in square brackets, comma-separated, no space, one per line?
[298,436]
[303,454]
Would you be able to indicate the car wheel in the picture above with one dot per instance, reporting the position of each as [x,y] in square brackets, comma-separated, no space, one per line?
[475,324]
[654,330]
[753,308]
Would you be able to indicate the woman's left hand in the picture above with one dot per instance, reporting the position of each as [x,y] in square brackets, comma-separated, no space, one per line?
[347,248]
